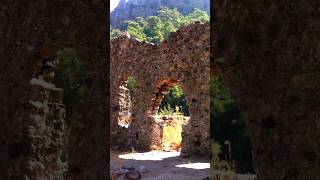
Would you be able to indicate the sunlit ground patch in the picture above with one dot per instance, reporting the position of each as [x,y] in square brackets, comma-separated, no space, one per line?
[149,156]
[194,165]
[172,134]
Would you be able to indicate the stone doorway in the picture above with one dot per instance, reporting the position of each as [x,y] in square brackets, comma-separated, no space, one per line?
[169,109]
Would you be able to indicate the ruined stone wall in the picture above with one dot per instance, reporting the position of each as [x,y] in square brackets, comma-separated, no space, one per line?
[270,51]
[183,57]
[124,119]
[269,56]
[125,106]
[45,131]
[25,28]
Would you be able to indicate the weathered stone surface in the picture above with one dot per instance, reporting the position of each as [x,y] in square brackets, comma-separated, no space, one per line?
[47,127]
[269,49]
[268,53]
[31,113]
[125,106]
[182,59]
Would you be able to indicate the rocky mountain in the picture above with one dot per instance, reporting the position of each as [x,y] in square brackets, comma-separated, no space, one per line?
[131,9]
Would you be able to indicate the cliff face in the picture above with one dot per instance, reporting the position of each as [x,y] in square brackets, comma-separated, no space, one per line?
[130,9]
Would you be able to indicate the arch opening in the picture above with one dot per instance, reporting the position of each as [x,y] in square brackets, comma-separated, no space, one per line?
[169,107]
[127,90]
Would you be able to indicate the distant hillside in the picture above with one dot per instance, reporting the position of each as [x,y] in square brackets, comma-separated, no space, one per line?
[130,9]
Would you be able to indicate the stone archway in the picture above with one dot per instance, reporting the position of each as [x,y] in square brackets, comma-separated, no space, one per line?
[269,53]
[180,58]
[175,123]
[122,113]
[162,88]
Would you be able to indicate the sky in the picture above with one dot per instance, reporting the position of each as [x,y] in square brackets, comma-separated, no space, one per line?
[113,4]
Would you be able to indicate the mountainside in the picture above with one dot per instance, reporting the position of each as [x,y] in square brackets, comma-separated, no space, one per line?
[131,9]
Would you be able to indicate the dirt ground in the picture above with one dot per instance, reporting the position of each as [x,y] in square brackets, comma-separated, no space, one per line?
[163,165]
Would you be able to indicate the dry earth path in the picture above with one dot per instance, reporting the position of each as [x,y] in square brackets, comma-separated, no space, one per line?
[163,165]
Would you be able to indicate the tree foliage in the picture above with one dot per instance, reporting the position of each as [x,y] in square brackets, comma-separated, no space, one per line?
[175,99]
[157,28]
[227,125]
[114,33]
[131,85]
[70,77]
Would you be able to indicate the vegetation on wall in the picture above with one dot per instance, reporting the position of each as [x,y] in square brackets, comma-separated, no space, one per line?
[131,85]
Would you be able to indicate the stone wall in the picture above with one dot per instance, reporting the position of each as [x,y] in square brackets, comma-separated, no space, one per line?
[30,28]
[45,131]
[182,59]
[125,106]
[270,51]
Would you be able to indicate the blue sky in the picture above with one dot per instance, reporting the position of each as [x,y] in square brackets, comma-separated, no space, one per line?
[113,4]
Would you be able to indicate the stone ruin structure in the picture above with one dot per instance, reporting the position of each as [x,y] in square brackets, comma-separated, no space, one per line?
[184,59]
[267,52]
[46,127]
[31,122]
[269,55]
[125,105]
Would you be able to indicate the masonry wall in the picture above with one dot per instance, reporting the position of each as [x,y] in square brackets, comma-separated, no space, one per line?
[270,51]
[45,130]
[27,27]
[184,57]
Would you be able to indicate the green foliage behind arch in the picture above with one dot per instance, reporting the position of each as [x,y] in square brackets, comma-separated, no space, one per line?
[155,29]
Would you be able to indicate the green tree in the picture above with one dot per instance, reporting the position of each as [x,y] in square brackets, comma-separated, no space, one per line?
[114,33]
[228,125]
[197,15]
[157,28]
[171,15]
[131,85]
[70,76]
[136,30]
[175,98]
[153,29]
[168,27]
[221,98]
